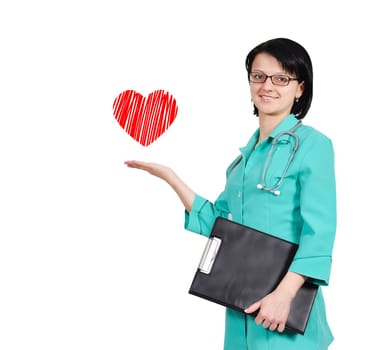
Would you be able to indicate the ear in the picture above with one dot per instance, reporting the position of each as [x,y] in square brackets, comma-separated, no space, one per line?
[300,90]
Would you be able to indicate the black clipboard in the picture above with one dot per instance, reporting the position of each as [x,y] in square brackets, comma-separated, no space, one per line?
[240,265]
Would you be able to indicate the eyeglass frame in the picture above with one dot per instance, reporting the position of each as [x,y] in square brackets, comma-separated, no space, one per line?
[271,76]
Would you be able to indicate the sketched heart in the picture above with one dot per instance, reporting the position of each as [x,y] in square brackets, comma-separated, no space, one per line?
[145,119]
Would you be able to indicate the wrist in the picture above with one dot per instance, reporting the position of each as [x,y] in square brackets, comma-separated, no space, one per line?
[291,283]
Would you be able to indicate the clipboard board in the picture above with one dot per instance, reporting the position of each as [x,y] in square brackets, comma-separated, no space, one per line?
[240,265]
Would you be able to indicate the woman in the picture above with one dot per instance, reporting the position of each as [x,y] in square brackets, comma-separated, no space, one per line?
[296,203]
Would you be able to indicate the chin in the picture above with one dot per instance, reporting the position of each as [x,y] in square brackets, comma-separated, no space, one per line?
[269,112]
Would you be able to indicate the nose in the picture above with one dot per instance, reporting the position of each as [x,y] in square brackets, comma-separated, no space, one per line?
[267,85]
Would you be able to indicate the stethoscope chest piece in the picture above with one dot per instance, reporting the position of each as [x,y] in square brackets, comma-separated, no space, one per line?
[262,187]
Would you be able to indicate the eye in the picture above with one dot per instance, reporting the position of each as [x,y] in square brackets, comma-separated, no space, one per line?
[281,79]
[257,76]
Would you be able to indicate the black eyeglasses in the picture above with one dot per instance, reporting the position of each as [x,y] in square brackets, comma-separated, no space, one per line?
[276,79]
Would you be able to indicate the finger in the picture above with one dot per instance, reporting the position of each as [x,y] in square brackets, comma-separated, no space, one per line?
[252,308]
[266,324]
[273,326]
[136,164]
[131,163]
[281,327]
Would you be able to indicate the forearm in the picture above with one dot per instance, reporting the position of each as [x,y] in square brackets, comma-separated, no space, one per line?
[185,194]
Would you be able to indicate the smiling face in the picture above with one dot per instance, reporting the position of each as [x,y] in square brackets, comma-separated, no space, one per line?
[273,100]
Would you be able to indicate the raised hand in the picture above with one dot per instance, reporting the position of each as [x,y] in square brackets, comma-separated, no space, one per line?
[186,195]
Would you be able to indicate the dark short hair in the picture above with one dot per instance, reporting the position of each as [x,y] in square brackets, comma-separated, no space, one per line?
[294,60]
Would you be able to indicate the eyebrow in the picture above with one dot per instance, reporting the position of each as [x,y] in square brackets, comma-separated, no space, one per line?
[278,73]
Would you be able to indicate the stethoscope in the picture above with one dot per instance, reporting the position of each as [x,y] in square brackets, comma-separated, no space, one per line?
[274,189]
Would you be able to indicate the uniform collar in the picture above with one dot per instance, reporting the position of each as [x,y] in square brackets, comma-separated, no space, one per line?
[246,150]
[286,124]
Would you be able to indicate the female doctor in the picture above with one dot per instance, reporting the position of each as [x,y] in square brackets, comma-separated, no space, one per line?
[282,182]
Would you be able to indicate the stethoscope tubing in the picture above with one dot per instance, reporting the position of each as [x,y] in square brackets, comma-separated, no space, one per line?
[274,188]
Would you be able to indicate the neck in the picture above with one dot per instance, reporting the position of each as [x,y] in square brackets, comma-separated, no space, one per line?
[266,125]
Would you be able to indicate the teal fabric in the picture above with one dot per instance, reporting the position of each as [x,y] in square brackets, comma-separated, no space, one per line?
[304,213]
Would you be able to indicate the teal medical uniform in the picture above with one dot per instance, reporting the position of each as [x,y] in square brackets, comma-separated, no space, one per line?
[304,213]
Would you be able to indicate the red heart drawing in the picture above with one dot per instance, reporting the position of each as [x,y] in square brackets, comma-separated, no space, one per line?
[145,119]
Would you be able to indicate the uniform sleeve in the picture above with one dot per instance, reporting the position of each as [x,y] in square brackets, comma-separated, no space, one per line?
[318,212]
[203,214]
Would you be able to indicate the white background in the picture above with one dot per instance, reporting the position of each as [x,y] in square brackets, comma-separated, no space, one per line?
[94,255]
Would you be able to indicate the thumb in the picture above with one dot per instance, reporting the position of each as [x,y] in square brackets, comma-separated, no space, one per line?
[252,308]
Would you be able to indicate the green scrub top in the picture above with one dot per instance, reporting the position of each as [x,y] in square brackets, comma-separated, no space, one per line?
[303,213]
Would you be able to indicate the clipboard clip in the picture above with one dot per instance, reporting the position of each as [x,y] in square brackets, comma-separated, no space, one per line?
[209,255]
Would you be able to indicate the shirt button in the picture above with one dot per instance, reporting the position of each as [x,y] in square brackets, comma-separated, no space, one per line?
[239,194]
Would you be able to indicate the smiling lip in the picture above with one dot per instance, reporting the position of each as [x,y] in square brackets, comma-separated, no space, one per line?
[267,98]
